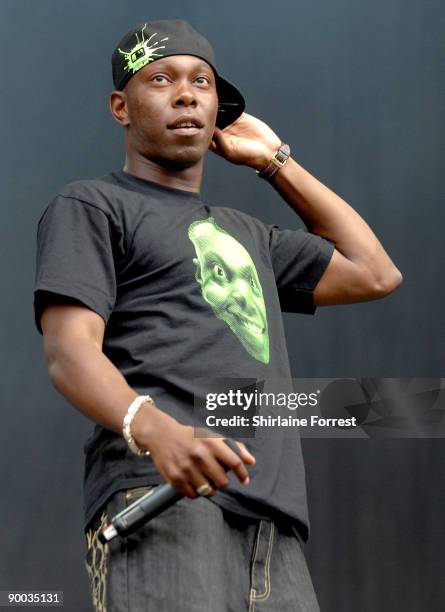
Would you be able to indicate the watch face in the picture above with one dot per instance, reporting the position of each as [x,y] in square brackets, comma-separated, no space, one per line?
[281,155]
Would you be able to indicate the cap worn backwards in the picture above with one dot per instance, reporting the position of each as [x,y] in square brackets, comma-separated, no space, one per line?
[154,40]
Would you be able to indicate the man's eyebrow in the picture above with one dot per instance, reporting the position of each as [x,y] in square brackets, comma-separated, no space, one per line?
[159,64]
[203,65]
[246,270]
[214,257]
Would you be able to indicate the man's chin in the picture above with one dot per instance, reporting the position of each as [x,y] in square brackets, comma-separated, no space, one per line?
[181,161]
[181,156]
[257,347]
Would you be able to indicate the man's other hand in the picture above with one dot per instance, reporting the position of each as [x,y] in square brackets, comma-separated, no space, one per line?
[248,141]
[185,460]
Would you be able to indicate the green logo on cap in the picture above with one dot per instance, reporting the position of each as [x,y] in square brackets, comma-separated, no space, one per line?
[143,52]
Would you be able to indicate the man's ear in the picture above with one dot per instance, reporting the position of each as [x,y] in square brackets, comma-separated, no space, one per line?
[198,275]
[118,107]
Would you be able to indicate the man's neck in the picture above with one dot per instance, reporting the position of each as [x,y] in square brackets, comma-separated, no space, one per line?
[188,179]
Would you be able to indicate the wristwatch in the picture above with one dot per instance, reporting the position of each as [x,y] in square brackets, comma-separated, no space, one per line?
[277,162]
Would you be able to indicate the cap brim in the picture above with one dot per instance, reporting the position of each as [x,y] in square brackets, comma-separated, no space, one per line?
[231,103]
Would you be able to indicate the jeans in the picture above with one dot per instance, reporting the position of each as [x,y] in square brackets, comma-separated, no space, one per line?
[196,557]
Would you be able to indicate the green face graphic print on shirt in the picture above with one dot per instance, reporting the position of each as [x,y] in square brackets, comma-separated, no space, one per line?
[229,283]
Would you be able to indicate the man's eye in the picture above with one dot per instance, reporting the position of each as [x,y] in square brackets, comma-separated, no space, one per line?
[159,78]
[219,272]
[202,80]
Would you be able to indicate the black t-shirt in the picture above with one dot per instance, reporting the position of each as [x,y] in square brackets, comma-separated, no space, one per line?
[187,292]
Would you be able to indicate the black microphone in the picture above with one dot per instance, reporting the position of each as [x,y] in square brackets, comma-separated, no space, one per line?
[147,507]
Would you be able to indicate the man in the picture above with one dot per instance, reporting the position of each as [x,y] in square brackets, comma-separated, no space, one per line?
[144,292]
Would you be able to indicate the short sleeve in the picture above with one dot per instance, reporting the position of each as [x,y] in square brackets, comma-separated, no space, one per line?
[74,258]
[299,260]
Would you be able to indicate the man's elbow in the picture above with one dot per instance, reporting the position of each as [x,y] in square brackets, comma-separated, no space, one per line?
[53,353]
[387,283]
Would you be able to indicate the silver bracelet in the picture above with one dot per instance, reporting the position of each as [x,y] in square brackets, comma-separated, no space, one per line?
[131,413]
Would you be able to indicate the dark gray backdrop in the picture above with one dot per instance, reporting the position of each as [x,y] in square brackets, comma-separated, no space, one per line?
[356,88]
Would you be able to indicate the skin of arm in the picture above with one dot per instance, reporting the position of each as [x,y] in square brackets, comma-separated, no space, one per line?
[360,268]
[79,370]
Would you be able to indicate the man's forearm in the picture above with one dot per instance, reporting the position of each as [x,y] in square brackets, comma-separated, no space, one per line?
[327,215]
[359,259]
[88,379]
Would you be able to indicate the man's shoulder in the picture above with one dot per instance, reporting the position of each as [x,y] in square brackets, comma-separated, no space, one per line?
[102,194]
[92,197]
[90,191]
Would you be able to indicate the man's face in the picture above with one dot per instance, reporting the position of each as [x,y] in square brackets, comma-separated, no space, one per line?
[177,88]
[230,284]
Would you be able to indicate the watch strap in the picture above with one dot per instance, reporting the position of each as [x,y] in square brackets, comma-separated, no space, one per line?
[277,161]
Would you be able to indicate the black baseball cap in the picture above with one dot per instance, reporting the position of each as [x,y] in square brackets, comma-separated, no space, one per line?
[154,40]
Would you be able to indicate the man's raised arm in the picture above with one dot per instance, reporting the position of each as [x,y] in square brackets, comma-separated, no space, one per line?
[360,268]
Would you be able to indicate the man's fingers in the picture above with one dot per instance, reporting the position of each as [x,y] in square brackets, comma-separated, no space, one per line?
[184,487]
[234,459]
[188,486]
[217,134]
[206,461]
[241,472]
[246,454]
[221,142]
[203,487]
[216,474]
[206,464]
[240,449]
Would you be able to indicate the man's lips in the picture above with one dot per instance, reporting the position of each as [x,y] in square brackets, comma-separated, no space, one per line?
[186,124]
[253,326]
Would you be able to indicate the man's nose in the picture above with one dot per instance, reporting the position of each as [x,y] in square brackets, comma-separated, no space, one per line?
[184,95]
[240,292]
